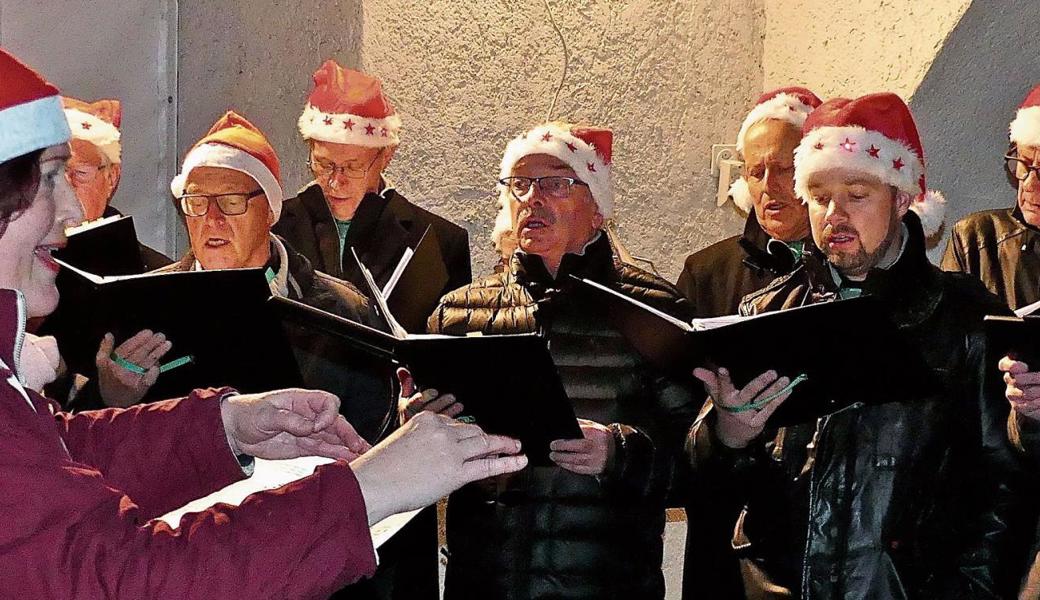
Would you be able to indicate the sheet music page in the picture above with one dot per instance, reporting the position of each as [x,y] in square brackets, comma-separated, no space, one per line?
[402,264]
[1027,310]
[271,474]
[395,327]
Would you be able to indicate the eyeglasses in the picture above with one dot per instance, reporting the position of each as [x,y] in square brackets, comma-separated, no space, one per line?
[83,174]
[231,205]
[1020,169]
[353,170]
[552,186]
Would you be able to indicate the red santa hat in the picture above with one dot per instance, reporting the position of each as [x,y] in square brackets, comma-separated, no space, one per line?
[585,149]
[791,104]
[235,143]
[97,123]
[31,117]
[876,135]
[1025,129]
[349,107]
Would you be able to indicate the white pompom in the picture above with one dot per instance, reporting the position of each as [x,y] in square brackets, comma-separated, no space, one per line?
[931,209]
[741,194]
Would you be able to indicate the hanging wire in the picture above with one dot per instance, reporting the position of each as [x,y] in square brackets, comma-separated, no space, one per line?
[566,60]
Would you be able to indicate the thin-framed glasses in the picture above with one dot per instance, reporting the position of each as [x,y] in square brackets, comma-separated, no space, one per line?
[83,174]
[231,205]
[328,169]
[552,186]
[1020,169]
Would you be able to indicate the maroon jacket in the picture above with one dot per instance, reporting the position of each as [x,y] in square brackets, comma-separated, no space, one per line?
[78,494]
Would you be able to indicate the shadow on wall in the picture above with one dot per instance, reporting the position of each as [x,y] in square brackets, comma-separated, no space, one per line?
[257,58]
[966,100]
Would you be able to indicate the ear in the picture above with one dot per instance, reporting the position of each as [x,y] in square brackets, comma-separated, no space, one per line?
[597,220]
[270,215]
[903,200]
[388,154]
[115,172]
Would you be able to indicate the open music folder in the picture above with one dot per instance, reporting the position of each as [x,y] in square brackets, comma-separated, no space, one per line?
[841,353]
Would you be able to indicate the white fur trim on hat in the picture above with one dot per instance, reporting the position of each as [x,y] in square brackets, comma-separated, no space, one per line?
[227,157]
[101,133]
[931,209]
[741,194]
[556,141]
[32,126]
[1025,129]
[857,149]
[350,129]
[783,107]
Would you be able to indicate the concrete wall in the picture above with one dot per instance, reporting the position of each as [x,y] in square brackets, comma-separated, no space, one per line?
[107,49]
[670,78]
[853,48]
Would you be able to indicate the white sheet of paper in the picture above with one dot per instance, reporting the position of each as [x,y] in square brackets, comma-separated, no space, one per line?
[271,474]
[396,275]
[1027,309]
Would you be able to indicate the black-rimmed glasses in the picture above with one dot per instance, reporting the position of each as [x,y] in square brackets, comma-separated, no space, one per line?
[197,205]
[552,186]
[1019,168]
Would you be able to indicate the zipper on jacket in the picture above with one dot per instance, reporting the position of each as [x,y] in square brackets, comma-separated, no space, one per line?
[823,422]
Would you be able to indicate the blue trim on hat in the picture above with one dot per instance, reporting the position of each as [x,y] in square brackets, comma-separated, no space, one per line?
[32,126]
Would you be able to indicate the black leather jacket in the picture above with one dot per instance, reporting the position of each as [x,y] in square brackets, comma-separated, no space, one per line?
[547,532]
[1002,250]
[899,500]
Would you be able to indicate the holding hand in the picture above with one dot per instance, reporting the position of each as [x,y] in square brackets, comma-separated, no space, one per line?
[410,403]
[587,456]
[738,429]
[290,423]
[427,459]
[120,386]
[1023,387]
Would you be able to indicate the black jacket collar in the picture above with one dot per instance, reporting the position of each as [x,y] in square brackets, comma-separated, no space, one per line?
[595,263]
[763,252]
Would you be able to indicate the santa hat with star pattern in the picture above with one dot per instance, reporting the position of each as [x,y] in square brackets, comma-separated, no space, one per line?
[97,123]
[790,104]
[585,149]
[873,134]
[31,117]
[349,107]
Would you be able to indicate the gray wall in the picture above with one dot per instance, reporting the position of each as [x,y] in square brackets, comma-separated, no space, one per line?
[969,96]
[123,50]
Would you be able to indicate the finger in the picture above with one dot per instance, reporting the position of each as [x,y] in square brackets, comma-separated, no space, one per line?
[150,377]
[1010,365]
[157,353]
[1023,378]
[441,403]
[325,409]
[328,450]
[279,420]
[454,410]
[478,446]
[709,379]
[142,352]
[582,445]
[131,345]
[465,430]
[759,420]
[482,468]
[349,436]
[404,377]
[756,386]
[418,402]
[105,350]
[570,458]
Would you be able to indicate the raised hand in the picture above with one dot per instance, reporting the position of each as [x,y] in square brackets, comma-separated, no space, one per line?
[738,429]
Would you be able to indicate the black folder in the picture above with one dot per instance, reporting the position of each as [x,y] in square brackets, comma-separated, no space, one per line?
[845,352]
[218,322]
[1017,337]
[508,384]
[106,247]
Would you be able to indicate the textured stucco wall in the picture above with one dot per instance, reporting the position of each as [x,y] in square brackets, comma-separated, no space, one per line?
[853,48]
[670,77]
[257,57]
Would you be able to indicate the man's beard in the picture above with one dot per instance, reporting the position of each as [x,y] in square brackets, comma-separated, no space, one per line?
[860,262]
